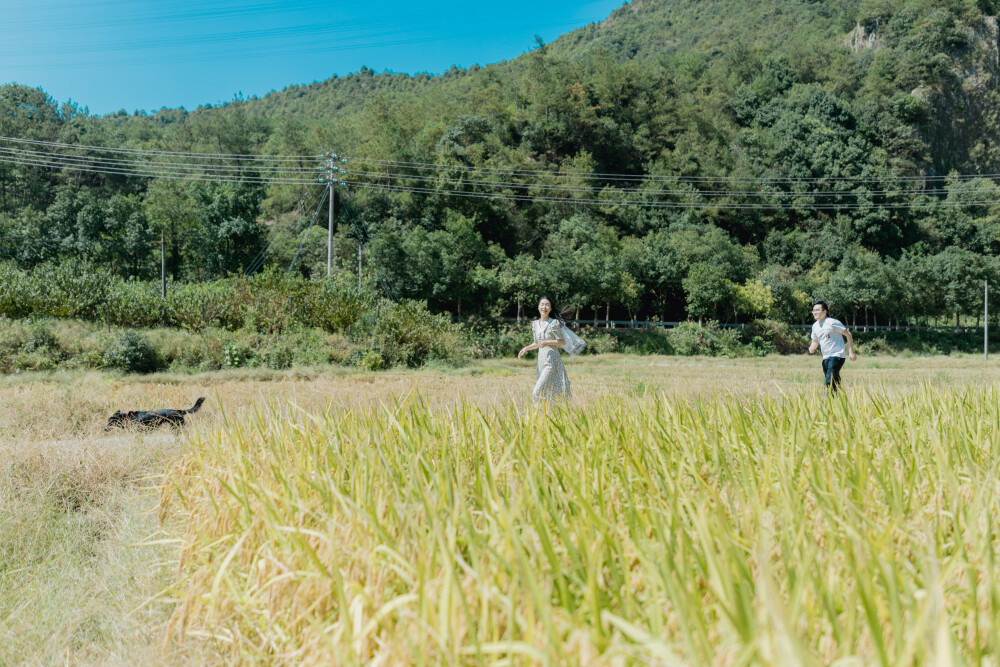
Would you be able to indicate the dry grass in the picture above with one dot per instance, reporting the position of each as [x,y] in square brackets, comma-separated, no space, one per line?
[720,531]
[80,545]
[73,573]
[61,406]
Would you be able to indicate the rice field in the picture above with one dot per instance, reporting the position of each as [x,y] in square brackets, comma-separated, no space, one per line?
[679,512]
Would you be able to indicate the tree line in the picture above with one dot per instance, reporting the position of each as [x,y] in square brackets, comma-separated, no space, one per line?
[849,159]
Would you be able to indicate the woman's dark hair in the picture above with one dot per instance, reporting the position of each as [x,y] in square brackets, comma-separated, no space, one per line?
[820,302]
[555,312]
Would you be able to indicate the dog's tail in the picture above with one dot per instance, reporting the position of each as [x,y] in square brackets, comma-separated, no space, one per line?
[197,404]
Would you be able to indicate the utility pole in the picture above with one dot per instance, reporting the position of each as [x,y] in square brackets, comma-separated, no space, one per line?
[163,276]
[329,230]
[332,173]
[986,320]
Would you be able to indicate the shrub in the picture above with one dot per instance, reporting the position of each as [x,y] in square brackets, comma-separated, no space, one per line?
[310,347]
[598,342]
[33,361]
[235,355]
[130,352]
[201,305]
[689,339]
[489,340]
[71,289]
[333,304]
[278,356]
[134,304]
[14,292]
[370,360]
[781,338]
[40,339]
[407,334]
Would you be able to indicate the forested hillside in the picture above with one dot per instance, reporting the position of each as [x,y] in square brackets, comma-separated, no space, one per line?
[711,159]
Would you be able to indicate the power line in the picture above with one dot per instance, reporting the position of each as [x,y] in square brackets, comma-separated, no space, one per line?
[195,171]
[149,173]
[652,191]
[215,178]
[116,162]
[437,166]
[361,232]
[677,205]
[185,167]
[143,151]
[304,232]
[258,261]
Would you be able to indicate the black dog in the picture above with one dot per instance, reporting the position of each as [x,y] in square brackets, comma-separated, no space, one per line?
[153,418]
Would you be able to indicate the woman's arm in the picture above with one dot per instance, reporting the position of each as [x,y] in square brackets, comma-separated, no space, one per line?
[540,344]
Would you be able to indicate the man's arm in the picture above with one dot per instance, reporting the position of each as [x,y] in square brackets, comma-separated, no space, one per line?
[813,346]
[850,344]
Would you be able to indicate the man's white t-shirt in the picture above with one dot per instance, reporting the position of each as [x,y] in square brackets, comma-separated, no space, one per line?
[830,335]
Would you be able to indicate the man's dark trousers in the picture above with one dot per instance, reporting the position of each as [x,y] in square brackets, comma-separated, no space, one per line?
[831,370]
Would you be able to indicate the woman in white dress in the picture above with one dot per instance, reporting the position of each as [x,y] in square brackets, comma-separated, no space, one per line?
[550,333]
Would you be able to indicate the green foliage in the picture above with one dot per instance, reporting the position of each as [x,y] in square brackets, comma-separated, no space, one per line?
[130,352]
[789,97]
[771,336]
[407,334]
[335,305]
[689,339]
[236,356]
[40,339]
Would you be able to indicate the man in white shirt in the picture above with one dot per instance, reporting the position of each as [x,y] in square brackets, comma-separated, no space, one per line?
[828,336]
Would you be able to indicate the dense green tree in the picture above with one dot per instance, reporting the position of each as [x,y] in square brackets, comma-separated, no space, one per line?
[690,158]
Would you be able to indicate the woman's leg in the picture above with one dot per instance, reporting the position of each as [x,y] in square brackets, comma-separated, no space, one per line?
[543,382]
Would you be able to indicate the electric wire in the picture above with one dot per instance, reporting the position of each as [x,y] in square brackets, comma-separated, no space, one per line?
[247,173]
[151,173]
[116,162]
[668,205]
[432,166]
[304,232]
[155,173]
[258,261]
[653,191]
[144,151]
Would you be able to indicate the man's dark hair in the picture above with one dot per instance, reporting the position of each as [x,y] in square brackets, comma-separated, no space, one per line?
[820,302]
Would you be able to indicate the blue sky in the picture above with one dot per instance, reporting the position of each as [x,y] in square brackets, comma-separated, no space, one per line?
[136,54]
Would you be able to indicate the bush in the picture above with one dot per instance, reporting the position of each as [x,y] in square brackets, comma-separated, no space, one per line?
[33,361]
[777,337]
[370,360]
[407,334]
[310,347]
[278,356]
[689,339]
[235,355]
[599,342]
[40,339]
[333,304]
[130,352]
[14,292]
[490,340]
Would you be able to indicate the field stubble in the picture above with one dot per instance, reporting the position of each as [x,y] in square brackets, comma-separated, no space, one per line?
[752,522]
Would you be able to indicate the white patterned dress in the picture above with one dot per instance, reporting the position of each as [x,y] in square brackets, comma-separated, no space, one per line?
[551,381]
